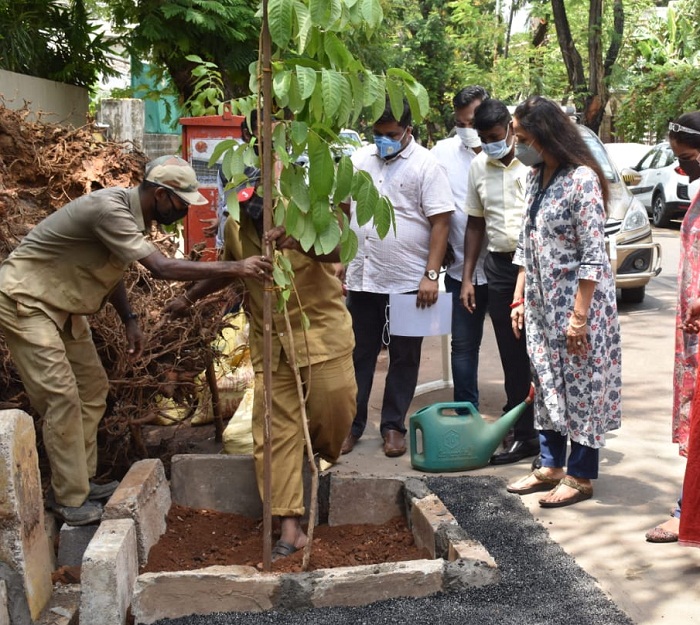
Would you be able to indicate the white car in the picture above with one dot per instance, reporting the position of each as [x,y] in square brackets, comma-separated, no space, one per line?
[661,185]
[626,154]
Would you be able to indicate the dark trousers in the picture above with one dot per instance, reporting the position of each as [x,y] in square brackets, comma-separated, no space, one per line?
[583,461]
[502,275]
[370,313]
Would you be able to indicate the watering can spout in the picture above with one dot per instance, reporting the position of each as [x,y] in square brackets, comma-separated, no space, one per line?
[498,429]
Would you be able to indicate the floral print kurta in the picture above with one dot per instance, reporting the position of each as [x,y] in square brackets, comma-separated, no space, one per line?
[563,241]
[686,357]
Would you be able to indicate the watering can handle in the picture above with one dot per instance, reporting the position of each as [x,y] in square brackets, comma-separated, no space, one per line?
[441,408]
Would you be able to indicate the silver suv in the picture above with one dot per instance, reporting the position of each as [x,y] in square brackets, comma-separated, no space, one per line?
[634,256]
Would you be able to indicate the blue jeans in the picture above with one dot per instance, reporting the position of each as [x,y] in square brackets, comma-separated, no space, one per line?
[467,331]
[583,461]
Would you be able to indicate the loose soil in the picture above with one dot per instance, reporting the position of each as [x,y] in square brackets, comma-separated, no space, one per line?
[196,539]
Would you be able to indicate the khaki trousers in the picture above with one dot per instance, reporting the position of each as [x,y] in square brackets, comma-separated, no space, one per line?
[67,386]
[330,408]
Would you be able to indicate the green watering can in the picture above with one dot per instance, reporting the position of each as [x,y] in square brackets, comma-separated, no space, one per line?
[458,442]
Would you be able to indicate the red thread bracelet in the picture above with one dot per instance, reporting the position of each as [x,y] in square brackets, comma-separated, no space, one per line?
[517,303]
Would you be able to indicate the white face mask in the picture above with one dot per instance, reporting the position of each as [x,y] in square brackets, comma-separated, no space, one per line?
[469,137]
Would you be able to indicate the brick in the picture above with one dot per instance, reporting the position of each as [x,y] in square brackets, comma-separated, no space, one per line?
[23,543]
[427,516]
[205,591]
[108,573]
[371,500]
[144,497]
[362,585]
[72,543]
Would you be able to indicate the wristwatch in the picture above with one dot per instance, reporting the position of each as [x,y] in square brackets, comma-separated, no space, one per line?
[431,274]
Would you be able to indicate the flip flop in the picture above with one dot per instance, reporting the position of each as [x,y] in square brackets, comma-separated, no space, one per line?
[543,483]
[283,549]
[583,492]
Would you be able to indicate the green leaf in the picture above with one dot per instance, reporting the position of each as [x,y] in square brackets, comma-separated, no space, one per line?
[253,85]
[324,13]
[232,163]
[220,148]
[395,90]
[383,217]
[331,83]
[292,219]
[330,237]
[418,99]
[295,103]
[346,104]
[279,213]
[343,179]
[304,25]
[357,96]
[306,77]
[280,22]
[366,197]
[372,12]
[299,131]
[285,263]
[233,206]
[280,86]
[374,90]
[337,53]
[321,214]
[280,278]
[348,249]
[308,236]
[279,142]
[321,170]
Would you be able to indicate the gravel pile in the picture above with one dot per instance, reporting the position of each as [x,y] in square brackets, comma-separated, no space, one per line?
[540,583]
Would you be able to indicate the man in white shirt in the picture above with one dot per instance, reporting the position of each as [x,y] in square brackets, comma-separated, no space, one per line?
[407,261]
[456,154]
[496,205]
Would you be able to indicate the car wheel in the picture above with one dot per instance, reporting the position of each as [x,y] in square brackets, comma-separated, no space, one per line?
[633,296]
[659,215]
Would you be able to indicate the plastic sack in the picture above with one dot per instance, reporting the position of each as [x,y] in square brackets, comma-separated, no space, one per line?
[238,435]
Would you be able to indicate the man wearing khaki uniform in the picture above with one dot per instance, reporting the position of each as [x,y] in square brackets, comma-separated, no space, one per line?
[69,266]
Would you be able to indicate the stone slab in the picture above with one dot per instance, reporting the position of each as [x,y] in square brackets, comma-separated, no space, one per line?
[359,500]
[205,591]
[361,585]
[4,613]
[216,482]
[108,573]
[72,543]
[144,496]
[64,606]
[23,543]
[427,516]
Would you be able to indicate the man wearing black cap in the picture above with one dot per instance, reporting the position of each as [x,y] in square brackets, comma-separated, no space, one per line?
[67,267]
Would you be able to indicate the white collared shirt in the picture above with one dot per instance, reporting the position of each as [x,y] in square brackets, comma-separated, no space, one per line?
[496,193]
[418,188]
[456,159]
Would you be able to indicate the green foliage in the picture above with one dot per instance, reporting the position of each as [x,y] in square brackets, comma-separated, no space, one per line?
[657,97]
[319,83]
[223,32]
[208,90]
[54,40]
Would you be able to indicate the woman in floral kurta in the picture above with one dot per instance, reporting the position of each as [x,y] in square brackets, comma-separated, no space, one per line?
[569,306]
[685,142]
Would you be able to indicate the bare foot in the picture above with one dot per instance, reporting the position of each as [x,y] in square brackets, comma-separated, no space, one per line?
[292,534]
[540,479]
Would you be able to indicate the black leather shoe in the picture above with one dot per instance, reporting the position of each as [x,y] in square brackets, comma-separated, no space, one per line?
[517,451]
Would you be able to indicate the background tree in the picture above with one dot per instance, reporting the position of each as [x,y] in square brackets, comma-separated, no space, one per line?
[222,32]
[55,40]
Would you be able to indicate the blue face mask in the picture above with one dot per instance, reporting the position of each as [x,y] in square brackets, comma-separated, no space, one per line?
[497,149]
[386,146]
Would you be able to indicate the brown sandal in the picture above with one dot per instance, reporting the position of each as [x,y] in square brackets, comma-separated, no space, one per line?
[584,492]
[543,483]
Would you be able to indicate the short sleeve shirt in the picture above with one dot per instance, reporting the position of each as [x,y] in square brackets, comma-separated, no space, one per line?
[72,260]
[496,193]
[418,188]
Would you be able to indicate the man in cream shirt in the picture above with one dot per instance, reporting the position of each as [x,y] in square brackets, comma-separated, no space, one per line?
[495,205]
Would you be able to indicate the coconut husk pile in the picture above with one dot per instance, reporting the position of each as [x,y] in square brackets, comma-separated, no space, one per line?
[44,166]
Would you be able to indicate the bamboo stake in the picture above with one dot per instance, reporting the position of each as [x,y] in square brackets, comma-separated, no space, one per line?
[215,403]
[267,174]
[309,447]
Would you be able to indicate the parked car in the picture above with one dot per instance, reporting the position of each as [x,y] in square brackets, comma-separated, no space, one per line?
[661,184]
[635,257]
[626,154]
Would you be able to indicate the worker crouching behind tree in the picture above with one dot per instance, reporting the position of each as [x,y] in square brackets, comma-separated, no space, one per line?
[68,267]
[323,354]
